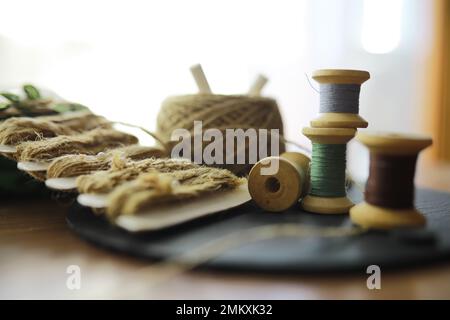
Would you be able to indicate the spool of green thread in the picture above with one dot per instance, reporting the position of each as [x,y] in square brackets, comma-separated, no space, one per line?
[327,194]
[328,170]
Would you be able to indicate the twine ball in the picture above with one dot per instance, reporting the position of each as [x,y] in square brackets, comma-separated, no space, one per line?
[220,112]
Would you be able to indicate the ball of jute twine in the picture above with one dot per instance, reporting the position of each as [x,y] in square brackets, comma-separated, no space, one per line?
[220,112]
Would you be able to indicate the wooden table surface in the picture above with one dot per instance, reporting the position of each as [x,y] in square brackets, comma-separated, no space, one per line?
[36,247]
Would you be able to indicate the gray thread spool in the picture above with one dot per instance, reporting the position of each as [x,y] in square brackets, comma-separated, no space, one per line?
[339,98]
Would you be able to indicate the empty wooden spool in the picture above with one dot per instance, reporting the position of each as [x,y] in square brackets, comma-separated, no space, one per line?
[280,187]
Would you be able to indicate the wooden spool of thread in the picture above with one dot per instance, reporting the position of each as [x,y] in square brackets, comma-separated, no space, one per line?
[282,189]
[339,98]
[327,193]
[389,194]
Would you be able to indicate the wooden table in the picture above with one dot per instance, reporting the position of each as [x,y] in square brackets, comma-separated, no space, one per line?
[36,248]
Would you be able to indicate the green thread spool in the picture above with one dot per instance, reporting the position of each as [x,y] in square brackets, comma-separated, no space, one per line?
[328,170]
[327,194]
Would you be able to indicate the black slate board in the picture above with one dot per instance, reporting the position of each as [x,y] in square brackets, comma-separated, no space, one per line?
[284,255]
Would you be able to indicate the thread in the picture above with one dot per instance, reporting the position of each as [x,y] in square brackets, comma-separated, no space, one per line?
[91,142]
[340,98]
[154,188]
[75,165]
[328,180]
[310,84]
[220,112]
[16,130]
[389,193]
[181,263]
[391,181]
[328,170]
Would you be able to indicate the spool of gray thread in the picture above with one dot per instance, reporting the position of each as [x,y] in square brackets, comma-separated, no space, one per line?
[339,98]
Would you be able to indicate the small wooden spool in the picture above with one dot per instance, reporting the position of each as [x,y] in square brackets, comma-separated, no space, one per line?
[335,119]
[328,205]
[280,190]
[378,217]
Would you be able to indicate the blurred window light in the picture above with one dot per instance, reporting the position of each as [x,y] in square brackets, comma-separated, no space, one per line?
[84,49]
[381,25]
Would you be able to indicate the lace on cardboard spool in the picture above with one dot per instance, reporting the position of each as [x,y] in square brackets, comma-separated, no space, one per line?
[132,190]
[123,170]
[17,130]
[154,188]
[91,142]
[75,165]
